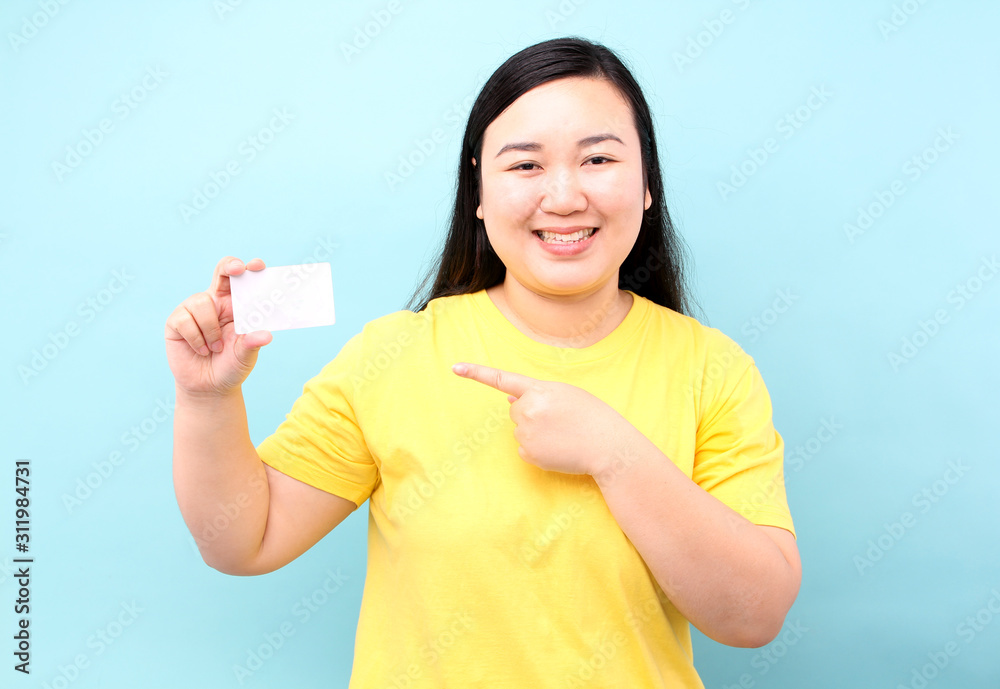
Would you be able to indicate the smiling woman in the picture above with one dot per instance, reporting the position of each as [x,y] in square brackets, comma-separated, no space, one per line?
[597,471]
[578,195]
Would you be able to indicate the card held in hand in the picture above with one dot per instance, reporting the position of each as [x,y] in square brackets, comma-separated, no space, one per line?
[282,297]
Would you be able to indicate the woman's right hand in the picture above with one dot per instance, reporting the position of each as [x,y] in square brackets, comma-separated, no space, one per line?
[204,352]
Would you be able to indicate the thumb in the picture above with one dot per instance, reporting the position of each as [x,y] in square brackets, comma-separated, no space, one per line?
[246,346]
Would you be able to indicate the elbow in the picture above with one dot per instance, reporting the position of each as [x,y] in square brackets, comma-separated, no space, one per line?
[789,634]
[764,620]
[233,567]
[749,633]
[754,636]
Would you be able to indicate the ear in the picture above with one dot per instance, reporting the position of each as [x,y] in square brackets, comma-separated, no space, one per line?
[649,200]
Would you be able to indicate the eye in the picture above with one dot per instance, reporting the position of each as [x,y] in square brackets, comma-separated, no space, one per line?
[599,160]
[524,166]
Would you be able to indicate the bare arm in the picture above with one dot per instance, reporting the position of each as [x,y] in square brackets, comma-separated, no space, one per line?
[734,580]
[246,517]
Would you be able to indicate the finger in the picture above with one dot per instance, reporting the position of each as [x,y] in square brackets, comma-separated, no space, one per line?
[512,383]
[205,313]
[230,265]
[181,325]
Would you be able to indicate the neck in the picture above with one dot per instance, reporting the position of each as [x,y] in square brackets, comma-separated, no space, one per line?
[578,320]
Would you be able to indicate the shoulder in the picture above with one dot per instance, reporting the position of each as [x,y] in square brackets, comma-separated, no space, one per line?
[406,324]
[706,346]
[407,334]
[706,366]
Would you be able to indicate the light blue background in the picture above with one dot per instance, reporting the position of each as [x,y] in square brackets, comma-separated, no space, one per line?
[323,181]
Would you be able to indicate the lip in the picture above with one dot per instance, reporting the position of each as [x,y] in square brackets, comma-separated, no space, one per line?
[566,249]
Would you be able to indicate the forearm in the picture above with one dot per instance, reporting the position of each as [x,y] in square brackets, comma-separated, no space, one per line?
[723,573]
[219,479]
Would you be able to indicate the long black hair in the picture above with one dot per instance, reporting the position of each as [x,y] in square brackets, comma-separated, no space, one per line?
[654,267]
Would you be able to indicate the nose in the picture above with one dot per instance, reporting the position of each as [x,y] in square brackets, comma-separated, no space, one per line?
[562,193]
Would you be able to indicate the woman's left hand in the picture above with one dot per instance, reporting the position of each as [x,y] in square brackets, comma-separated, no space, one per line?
[559,427]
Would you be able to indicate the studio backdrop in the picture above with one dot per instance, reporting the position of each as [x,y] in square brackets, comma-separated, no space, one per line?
[832,168]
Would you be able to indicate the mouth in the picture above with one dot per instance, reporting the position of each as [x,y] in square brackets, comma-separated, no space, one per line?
[565,238]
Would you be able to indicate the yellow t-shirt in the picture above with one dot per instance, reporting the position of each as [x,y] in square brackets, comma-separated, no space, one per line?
[484,570]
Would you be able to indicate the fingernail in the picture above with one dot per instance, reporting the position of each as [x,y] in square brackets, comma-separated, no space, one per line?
[203,350]
[217,346]
[460,369]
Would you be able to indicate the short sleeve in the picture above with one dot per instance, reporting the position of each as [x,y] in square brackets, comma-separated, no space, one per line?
[739,455]
[320,442]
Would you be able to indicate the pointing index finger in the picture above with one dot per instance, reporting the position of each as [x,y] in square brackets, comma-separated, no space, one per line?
[504,381]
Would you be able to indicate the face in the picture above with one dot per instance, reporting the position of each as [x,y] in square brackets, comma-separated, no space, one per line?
[562,191]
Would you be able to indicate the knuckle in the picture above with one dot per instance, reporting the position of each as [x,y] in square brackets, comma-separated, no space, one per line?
[202,299]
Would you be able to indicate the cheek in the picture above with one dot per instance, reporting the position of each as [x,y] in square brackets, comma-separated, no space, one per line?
[507,201]
[620,196]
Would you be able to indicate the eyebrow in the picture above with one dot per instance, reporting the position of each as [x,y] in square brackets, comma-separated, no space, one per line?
[582,143]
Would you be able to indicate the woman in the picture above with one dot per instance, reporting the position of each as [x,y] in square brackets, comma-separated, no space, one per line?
[562,469]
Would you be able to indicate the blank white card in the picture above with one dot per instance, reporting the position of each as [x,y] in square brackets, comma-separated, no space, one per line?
[283,297]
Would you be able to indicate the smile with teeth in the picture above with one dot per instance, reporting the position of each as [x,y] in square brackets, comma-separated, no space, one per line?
[556,238]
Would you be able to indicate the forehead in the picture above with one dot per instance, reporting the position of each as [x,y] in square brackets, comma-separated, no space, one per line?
[569,108]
